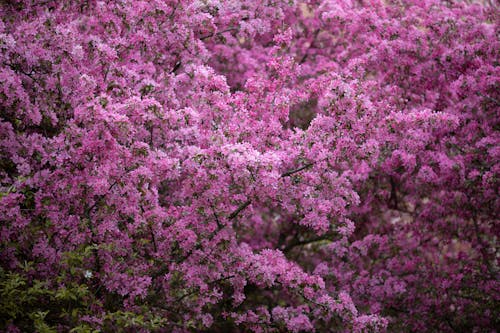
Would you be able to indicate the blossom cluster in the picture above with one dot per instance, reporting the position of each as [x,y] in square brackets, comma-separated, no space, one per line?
[265,166]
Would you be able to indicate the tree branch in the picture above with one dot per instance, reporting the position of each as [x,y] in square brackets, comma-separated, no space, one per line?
[176,67]
[491,99]
[239,209]
[247,203]
[219,32]
[197,290]
[393,200]
[296,242]
[291,172]
[219,225]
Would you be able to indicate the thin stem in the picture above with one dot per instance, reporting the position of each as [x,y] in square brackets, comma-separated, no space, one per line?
[196,290]
[219,224]
[241,207]
[247,203]
[219,32]
[291,172]
[295,243]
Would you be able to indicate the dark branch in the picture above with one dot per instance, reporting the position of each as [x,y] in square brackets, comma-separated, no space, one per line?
[197,290]
[219,225]
[393,200]
[219,32]
[246,18]
[247,203]
[176,67]
[239,209]
[291,172]
[491,99]
[296,242]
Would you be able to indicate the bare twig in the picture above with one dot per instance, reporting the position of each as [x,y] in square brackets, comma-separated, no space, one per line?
[219,32]
[247,203]
[219,224]
[197,290]
[291,172]
[295,243]
[393,200]
[491,99]
[176,67]
[241,207]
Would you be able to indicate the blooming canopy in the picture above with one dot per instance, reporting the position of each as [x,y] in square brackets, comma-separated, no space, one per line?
[266,166]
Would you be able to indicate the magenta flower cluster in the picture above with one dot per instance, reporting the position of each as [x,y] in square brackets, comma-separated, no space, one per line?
[235,166]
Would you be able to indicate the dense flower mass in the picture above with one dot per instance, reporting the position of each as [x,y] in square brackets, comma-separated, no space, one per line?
[234,166]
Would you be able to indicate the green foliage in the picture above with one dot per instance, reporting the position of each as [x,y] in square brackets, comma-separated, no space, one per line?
[34,305]
[21,301]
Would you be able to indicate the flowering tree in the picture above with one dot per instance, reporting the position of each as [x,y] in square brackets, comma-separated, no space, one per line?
[267,166]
